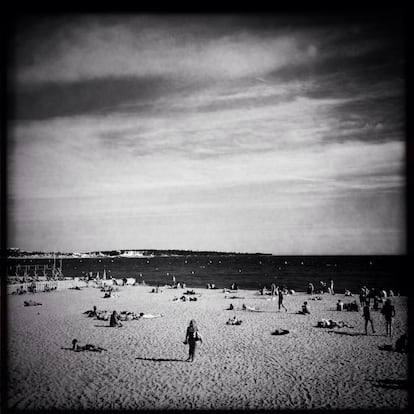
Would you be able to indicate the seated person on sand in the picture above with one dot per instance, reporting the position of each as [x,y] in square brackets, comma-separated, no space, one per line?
[234,321]
[231,307]
[348,292]
[401,345]
[87,347]
[305,309]
[114,321]
[21,291]
[340,305]
[354,306]
[91,313]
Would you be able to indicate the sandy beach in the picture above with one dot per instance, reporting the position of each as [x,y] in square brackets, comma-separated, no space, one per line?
[236,367]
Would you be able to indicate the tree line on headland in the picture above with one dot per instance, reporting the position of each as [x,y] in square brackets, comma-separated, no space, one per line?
[17,253]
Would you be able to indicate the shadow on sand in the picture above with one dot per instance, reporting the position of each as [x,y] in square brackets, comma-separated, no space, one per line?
[350,333]
[161,359]
[394,384]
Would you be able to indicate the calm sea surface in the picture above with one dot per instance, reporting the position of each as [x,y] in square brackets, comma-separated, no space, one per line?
[248,271]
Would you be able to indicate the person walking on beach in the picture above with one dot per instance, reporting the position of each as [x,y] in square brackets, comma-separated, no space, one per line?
[368,318]
[192,336]
[388,311]
[281,300]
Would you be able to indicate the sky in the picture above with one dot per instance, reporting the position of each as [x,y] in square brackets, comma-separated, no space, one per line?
[276,133]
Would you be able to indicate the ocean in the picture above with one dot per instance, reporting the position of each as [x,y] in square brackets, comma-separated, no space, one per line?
[248,271]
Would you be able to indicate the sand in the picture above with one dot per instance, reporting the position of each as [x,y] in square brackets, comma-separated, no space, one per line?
[238,367]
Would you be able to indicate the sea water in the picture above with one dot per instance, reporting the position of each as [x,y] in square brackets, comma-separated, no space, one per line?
[248,271]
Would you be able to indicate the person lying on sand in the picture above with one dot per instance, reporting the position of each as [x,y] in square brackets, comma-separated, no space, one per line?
[127,316]
[325,323]
[114,320]
[250,308]
[149,315]
[280,332]
[87,347]
[233,297]
[31,303]
[234,321]
[102,315]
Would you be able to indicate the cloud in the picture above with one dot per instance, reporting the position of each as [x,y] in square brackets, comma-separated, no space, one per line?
[222,124]
[97,48]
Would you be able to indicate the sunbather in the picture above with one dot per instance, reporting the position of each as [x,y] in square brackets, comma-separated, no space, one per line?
[234,321]
[325,323]
[250,308]
[280,332]
[87,347]
[149,315]
[31,303]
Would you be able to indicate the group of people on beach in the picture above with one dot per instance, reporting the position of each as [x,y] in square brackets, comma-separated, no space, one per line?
[325,287]
[388,311]
[193,336]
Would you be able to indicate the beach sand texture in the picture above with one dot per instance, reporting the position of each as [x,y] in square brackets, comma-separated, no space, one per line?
[238,367]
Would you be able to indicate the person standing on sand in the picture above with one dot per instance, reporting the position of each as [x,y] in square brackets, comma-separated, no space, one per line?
[281,300]
[192,336]
[388,311]
[331,286]
[368,318]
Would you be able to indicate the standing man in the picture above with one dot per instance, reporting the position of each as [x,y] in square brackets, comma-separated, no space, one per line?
[388,311]
[331,286]
[368,318]
[281,300]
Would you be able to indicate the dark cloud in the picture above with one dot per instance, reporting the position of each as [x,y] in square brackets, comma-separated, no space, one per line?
[49,100]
